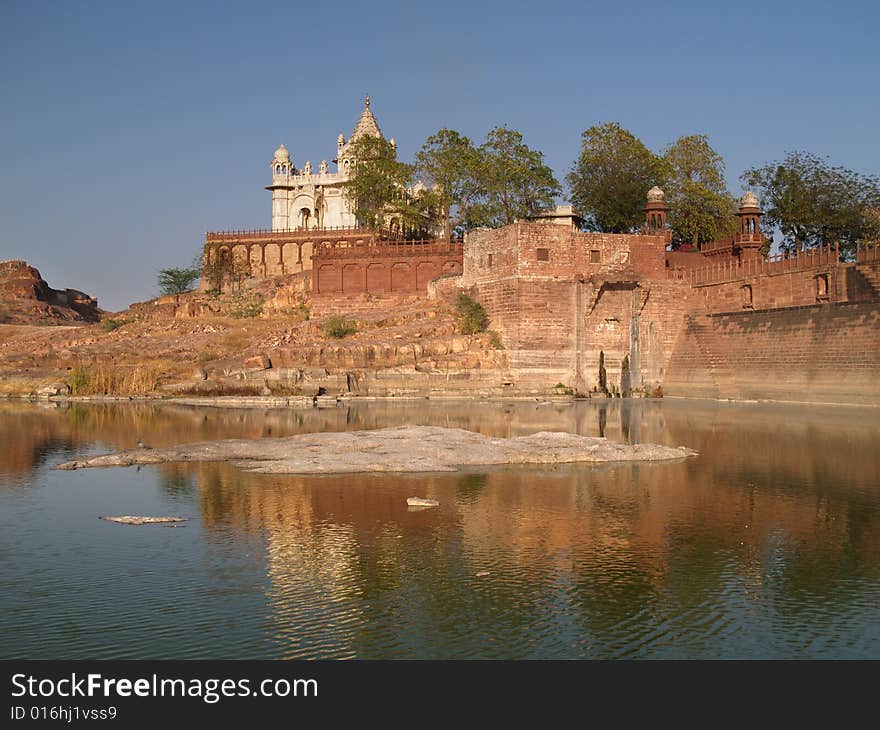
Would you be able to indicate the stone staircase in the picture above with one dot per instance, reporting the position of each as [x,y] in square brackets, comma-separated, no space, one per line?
[871,274]
[707,339]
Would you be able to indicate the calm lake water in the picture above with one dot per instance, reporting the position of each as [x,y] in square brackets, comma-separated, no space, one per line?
[765,545]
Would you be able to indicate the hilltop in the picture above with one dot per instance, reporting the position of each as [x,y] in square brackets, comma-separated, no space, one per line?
[28,299]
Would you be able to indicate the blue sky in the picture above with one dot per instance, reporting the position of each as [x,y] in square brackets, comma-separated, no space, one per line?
[130,129]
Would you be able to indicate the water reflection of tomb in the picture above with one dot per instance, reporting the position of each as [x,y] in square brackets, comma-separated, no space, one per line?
[602,540]
[777,506]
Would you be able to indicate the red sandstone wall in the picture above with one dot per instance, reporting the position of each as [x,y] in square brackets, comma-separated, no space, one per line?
[661,320]
[607,328]
[532,249]
[557,312]
[554,331]
[686,260]
[545,291]
[639,322]
[379,273]
[543,312]
[820,353]
[500,244]
[790,289]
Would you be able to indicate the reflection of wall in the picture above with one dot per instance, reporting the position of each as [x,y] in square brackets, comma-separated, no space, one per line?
[761,503]
[28,435]
[802,462]
[782,503]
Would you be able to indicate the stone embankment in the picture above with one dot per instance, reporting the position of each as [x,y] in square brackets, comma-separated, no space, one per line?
[403,449]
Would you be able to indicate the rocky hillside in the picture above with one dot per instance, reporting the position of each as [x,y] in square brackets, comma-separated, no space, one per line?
[269,340]
[26,299]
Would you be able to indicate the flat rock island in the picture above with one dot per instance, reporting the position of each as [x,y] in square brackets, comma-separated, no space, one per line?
[401,449]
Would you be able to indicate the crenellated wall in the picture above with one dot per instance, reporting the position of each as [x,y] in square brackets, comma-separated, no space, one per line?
[567,303]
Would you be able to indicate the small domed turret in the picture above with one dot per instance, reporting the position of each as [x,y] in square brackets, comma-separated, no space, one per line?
[656,195]
[749,200]
[340,140]
[281,154]
[655,211]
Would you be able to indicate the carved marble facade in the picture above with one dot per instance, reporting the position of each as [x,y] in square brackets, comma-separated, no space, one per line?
[305,198]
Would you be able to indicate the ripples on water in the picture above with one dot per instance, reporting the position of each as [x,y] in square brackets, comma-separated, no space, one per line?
[766,545]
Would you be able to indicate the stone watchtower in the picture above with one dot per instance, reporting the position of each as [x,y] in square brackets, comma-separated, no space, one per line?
[282,169]
[749,239]
[656,211]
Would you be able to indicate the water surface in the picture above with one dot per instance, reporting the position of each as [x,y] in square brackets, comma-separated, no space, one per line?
[765,545]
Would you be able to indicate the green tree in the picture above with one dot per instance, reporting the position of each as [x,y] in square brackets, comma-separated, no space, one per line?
[514,180]
[701,208]
[470,315]
[215,270]
[178,281]
[814,203]
[451,164]
[612,176]
[380,187]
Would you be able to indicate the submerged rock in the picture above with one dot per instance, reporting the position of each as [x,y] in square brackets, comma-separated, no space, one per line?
[402,449]
[421,502]
[132,520]
[53,389]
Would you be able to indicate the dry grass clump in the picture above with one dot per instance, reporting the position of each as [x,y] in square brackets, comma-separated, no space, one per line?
[114,380]
[236,339]
[339,327]
[207,356]
[17,386]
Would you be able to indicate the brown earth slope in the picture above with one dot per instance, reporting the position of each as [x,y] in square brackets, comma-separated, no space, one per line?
[267,340]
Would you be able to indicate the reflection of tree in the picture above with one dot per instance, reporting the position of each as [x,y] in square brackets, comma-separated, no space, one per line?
[841,552]
[611,590]
[176,480]
[577,554]
[629,422]
[469,487]
[698,556]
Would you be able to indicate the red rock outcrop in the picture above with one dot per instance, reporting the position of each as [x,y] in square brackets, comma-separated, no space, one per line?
[25,298]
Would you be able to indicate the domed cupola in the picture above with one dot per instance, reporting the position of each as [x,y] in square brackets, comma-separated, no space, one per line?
[749,214]
[655,211]
[749,200]
[656,195]
[281,161]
